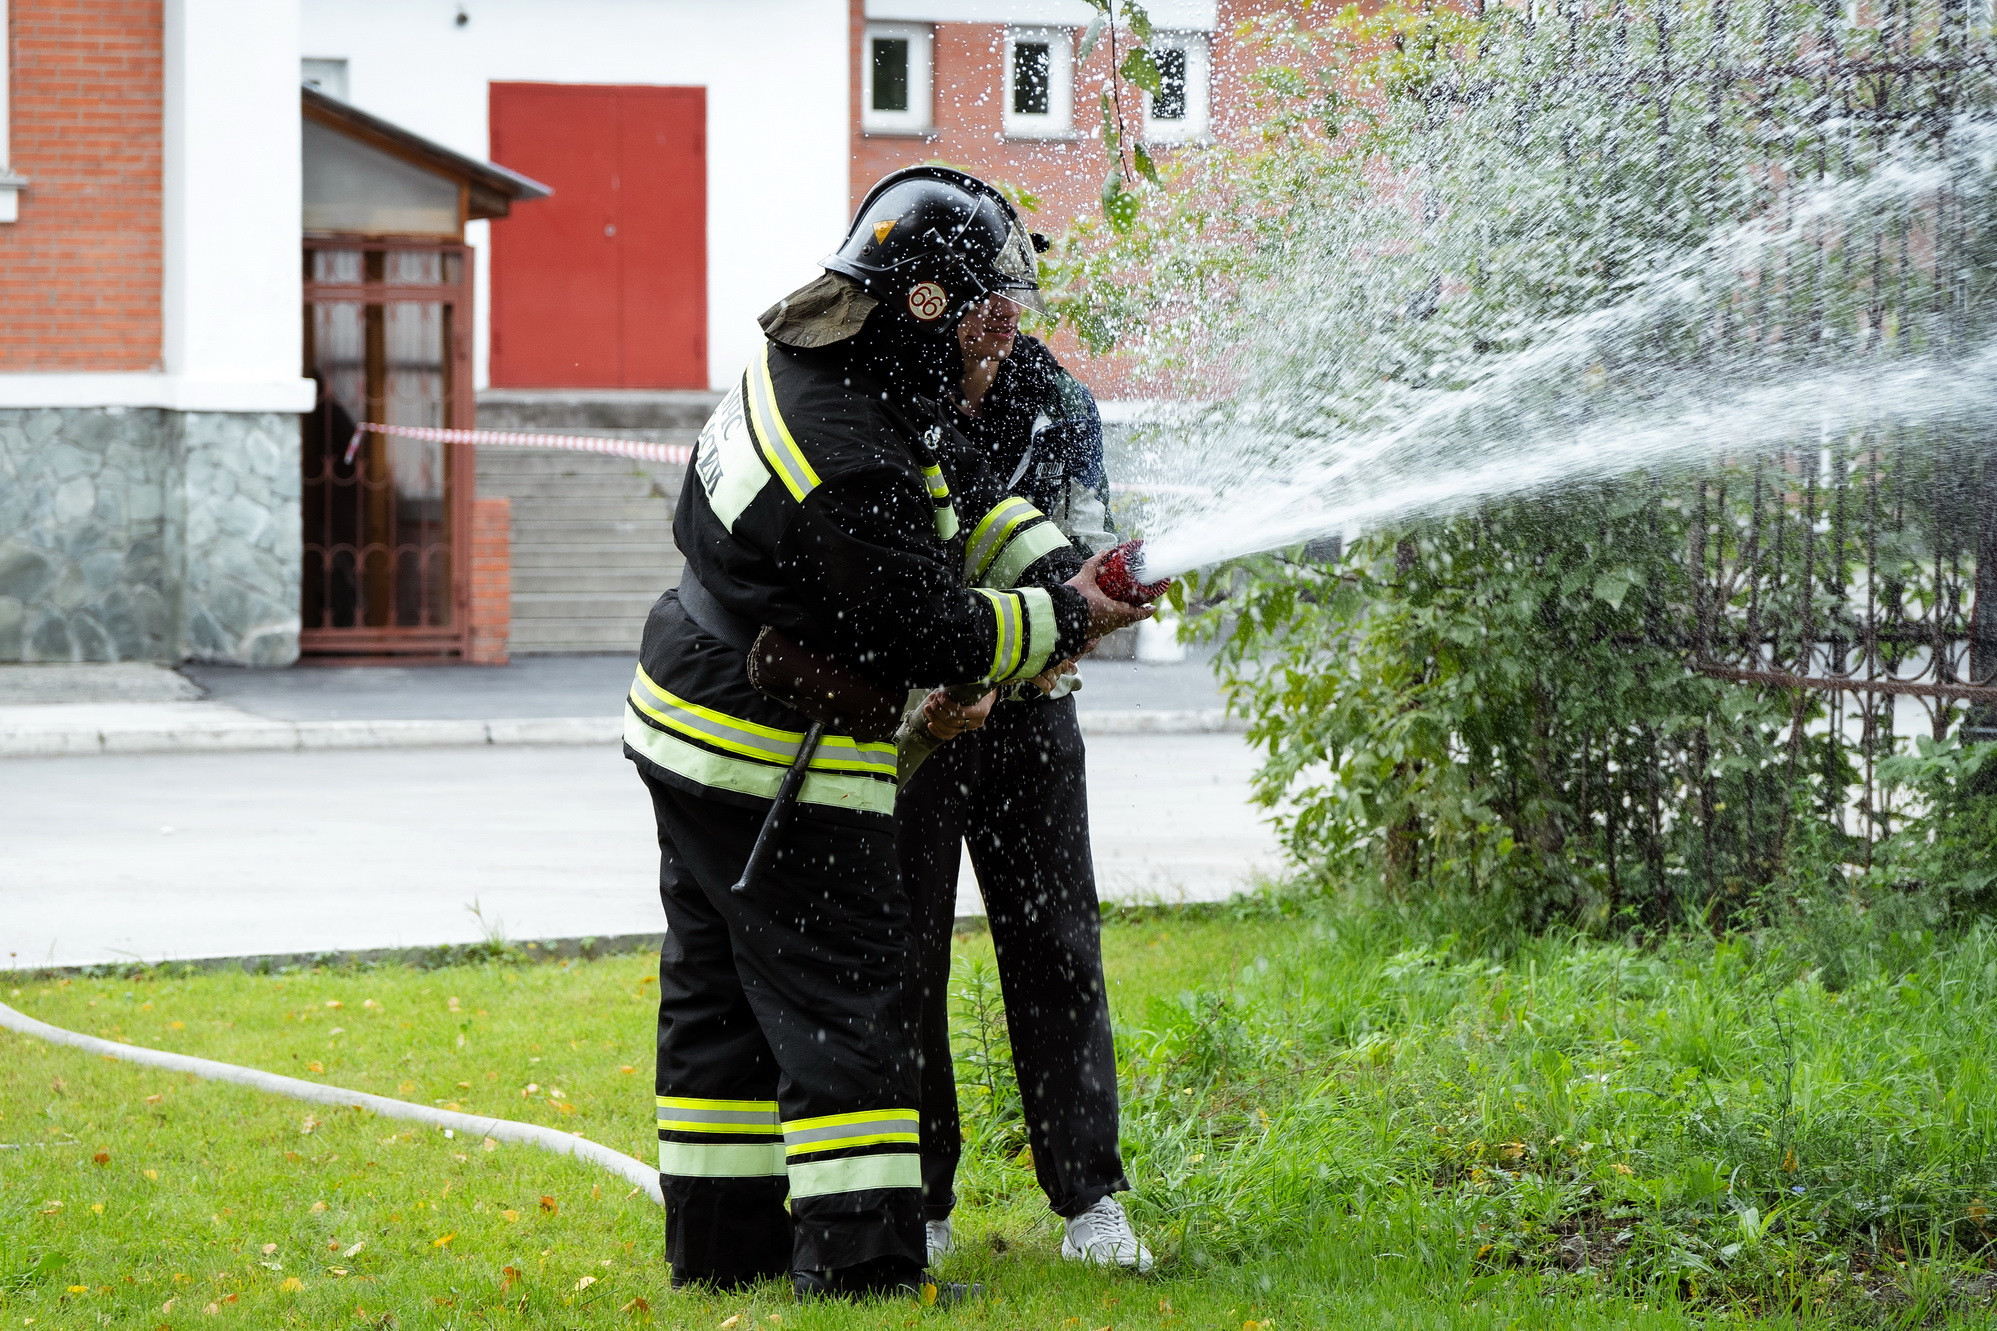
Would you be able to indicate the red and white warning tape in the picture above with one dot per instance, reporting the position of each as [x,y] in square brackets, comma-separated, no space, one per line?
[624,448]
[581,443]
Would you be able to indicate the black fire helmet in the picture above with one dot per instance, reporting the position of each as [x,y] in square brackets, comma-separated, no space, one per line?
[929,242]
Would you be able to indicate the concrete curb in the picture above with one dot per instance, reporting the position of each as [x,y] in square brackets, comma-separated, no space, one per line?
[230,731]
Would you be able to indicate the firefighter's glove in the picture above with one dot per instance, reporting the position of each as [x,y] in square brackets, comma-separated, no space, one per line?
[1049,681]
[947,720]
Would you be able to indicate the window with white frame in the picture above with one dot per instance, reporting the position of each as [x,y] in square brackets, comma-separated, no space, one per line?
[11,185]
[895,78]
[1039,83]
[1177,113]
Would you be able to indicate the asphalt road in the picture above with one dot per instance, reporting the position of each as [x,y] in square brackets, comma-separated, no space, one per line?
[169,857]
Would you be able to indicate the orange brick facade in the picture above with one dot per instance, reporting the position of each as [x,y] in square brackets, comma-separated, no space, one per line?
[491,613]
[80,272]
[1065,175]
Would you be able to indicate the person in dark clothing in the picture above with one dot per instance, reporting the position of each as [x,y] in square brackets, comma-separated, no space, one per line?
[1016,791]
[817,509]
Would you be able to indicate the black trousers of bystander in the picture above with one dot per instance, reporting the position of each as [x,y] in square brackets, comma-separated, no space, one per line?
[1016,791]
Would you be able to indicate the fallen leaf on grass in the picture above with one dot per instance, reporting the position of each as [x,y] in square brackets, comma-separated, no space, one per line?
[269,1248]
[585,1283]
[292,1285]
[315,1066]
[153,1174]
[355,1249]
[637,1305]
[438,1243]
[732,1322]
[512,1216]
[155,1099]
[318,1206]
[212,1309]
[102,1157]
[407,1088]
[550,1205]
[509,1277]
[167,1307]
[176,1025]
[627,1068]
[308,1127]
[97,1208]
[489,1144]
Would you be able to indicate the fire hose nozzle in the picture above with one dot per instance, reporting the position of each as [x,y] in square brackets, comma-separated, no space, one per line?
[1117,576]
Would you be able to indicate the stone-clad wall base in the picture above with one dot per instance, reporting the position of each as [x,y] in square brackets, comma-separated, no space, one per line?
[242,543]
[137,534]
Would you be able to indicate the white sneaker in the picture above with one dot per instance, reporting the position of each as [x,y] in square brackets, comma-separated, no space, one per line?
[1102,1235]
[941,1241]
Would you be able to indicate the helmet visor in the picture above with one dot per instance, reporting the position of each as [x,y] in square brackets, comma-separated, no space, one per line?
[1018,271]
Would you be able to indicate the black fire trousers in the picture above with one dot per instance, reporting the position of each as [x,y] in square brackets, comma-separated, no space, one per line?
[784,1061]
[1016,790]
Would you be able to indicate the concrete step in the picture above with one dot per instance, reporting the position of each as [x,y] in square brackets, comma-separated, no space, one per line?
[542,509]
[618,531]
[529,466]
[596,554]
[579,489]
[589,409]
[544,606]
[591,638]
[629,577]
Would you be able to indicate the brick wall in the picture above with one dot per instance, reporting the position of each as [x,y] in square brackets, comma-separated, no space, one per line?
[492,582]
[1065,175]
[80,271]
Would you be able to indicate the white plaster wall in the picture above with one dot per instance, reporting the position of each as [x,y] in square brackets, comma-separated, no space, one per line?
[776,78]
[231,335]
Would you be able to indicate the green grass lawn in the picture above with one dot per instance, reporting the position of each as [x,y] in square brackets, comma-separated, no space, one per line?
[1332,1116]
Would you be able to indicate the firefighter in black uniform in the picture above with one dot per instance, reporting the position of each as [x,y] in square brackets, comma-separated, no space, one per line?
[1016,790]
[817,526]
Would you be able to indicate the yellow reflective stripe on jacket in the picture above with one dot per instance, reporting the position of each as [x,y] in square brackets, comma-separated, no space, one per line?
[1035,542]
[855,1173]
[722,1159]
[994,529]
[1010,623]
[786,459]
[1041,630]
[838,790]
[939,495]
[836,753]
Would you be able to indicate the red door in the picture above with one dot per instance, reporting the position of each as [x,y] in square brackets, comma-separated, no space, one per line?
[604,284]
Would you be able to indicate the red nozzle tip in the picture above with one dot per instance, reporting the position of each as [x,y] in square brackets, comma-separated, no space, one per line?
[1118,579]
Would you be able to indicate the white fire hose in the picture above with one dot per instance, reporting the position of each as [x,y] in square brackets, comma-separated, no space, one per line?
[470,1125]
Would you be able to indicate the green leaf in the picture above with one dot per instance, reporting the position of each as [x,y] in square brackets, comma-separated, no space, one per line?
[1142,70]
[1112,141]
[1614,585]
[1145,166]
[1119,204]
[1139,21]
[1092,35]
